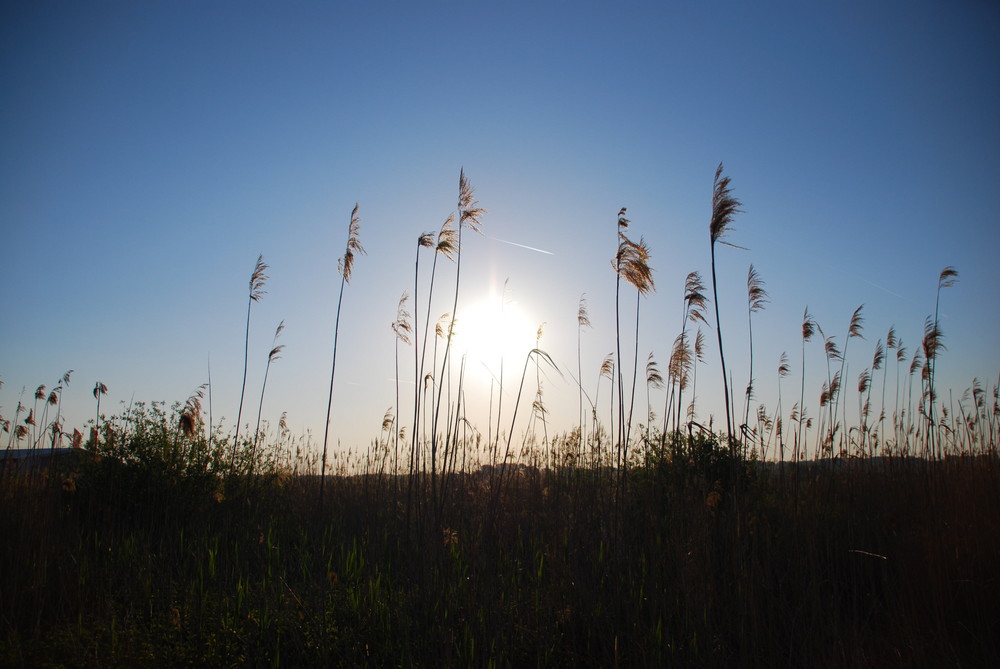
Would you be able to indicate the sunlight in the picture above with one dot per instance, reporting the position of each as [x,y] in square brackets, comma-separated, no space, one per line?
[492,329]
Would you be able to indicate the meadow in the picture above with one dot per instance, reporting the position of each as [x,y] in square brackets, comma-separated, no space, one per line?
[804,536]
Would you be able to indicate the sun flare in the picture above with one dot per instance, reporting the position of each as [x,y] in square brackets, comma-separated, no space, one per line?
[491,330]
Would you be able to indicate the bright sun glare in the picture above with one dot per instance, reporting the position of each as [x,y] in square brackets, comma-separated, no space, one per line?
[489,330]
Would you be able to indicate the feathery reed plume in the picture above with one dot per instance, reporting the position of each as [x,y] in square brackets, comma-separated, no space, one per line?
[57,431]
[258,278]
[694,306]
[99,389]
[654,380]
[695,301]
[653,376]
[345,265]
[275,353]
[40,392]
[724,209]
[18,429]
[756,299]
[190,418]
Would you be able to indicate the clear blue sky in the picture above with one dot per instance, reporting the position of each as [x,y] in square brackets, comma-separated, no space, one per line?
[149,151]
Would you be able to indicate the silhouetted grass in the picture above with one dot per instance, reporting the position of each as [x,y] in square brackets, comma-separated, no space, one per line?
[160,559]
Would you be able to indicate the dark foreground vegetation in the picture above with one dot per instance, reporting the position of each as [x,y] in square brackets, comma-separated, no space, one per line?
[158,554]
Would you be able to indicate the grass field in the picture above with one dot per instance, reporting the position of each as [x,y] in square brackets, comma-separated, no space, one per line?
[155,555]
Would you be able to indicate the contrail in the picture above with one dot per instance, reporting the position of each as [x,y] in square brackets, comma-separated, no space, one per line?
[523,246]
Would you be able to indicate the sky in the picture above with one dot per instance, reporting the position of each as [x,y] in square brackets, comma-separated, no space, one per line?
[150,151]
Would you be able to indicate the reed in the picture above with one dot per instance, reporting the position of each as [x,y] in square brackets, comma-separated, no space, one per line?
[57,430]
[403,329]
[724,210]
[344,266]
[582,321]
[99,390]
[272,355]
[946,279]
[469,215]
[631,262]
[258,279]
[756,299]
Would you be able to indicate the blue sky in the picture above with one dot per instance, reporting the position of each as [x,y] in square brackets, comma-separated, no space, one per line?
[150,152]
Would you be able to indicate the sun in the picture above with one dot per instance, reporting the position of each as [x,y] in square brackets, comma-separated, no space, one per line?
[492,330]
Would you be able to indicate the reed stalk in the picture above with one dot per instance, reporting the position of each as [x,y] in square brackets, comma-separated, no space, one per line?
[724,209]
[258,279]
[273,355]
[344,266]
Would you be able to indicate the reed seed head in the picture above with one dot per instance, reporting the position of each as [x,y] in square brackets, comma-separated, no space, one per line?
[653,377]
[879,356]
[948,277]
[695,300]
[622,221]
[724,206]
[469,211]
[808,326]
[857,323]
[258,278]
[632,264]
[402,326]
[890,339]
[608,366]
[783,367]
[346,263]
[756,295]
[582,317]
[830,347]
[447,239]
[932,344]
